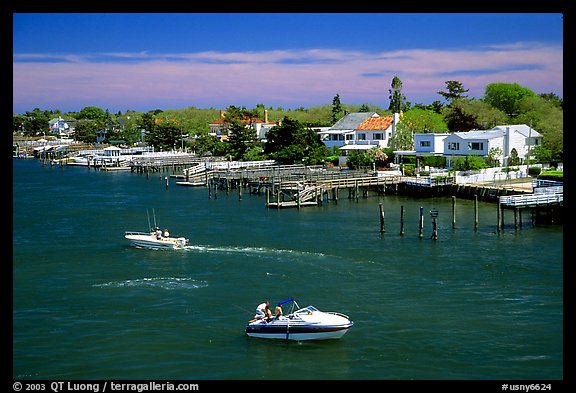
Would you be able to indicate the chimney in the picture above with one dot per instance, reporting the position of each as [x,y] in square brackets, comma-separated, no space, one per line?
[265,116]
[395,121]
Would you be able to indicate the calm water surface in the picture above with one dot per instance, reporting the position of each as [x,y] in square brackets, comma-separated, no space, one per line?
[86,305]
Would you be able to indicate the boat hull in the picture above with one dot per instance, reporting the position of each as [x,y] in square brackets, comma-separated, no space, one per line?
[298,333]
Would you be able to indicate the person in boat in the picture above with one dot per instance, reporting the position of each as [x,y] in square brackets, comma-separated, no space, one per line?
[278,311]
[158,233]
[263,311]
[166,233]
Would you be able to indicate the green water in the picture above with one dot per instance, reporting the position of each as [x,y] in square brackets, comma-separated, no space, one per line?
[474,304]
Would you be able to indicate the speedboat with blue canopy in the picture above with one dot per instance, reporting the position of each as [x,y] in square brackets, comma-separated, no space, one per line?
[306,323]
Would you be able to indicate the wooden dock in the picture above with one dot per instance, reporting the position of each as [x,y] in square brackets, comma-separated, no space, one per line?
[531,200]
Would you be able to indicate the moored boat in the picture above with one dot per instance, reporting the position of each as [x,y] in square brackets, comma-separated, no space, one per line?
[306,323]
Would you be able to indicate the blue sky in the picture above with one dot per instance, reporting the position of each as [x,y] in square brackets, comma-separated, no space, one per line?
[145,61]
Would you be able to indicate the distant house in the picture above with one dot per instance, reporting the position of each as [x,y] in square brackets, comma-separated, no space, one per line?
[360,131]
[62,127]
[219,127]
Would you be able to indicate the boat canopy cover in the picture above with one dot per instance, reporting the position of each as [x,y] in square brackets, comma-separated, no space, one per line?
[286,301]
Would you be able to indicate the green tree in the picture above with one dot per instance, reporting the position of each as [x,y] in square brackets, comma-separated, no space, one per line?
[416,121]
[468,114]
[336,108]
[547,118]
[36,123]
[92,113]
[364,108]
[85,130]
[469,162]
[553,98]
[291,141]
[357,159]
[18,123]
[242,138]
[165,135]
[494,156]
[455,91]
[506,96]
[397,99]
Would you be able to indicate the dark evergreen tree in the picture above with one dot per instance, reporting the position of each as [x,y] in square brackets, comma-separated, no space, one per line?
[455,91]
[336,108]
[398,102]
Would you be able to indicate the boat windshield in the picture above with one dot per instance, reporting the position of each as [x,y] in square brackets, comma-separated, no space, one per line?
[306,310]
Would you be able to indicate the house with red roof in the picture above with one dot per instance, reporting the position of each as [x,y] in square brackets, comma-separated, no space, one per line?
[360,131]
[219,127]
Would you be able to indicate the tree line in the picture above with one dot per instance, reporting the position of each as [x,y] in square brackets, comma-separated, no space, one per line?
[292,139]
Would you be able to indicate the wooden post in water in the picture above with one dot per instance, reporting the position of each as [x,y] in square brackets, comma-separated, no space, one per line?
[381,218]
[421,224]
[166,178]
[501,215]
[475,211]
[453,212]
[498,207]
[240,188]
[434,215]
[298,198]
[402,220]
[278,197]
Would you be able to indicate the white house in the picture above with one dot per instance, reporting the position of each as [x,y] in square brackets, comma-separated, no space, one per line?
[60,126]
[360,131]
[503,139]
[428,144]
[220,126]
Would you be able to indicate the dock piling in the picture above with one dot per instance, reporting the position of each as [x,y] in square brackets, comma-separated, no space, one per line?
[421,225]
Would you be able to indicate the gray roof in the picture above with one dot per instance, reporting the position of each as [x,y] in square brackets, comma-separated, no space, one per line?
[479,134]
[352,120]
[499,131]
[523,129]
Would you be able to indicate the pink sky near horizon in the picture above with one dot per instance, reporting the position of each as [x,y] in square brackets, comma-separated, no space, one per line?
[289,78]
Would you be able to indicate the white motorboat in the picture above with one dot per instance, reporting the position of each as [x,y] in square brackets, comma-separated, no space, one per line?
[153,241]
[155,238]
[306,323]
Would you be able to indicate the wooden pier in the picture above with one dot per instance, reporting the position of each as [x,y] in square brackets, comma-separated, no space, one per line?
[546,203]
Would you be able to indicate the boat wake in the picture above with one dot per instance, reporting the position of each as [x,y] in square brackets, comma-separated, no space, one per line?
[169,283]
[250,250]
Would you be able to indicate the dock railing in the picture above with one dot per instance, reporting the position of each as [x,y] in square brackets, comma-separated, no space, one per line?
[530,200]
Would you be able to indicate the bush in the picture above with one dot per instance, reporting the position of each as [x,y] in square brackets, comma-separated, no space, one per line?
[408,170]
[551,175]
[534,170]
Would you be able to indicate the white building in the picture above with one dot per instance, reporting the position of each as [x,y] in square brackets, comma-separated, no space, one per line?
[360,131]
[503,139]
